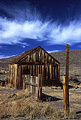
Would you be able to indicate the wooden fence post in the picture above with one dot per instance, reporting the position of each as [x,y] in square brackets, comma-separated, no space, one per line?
[39,86]
[65,83]
[24,87]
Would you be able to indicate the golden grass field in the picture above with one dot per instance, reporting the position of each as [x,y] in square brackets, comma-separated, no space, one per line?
[21,105]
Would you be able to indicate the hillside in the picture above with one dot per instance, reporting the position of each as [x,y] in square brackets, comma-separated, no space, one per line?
[74,64]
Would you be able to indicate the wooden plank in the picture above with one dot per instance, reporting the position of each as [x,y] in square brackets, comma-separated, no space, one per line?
[48,73]
[9,74]
[56,75]
[24,87]
[46,69]
[13,71]
[39,86]
[29,76]
[40,69]
[15,77]
[43,75]
[20,77]
[53,69]
[31,70]
[46,58]
[28,69]
[36,92]
[43,56]
[40,56]
[31,85]
[51,73]
[36,70]
[37,56]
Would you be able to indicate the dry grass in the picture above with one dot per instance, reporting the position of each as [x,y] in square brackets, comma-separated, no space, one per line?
[23,104]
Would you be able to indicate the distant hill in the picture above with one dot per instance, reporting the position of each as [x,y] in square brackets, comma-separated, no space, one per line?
[74,63]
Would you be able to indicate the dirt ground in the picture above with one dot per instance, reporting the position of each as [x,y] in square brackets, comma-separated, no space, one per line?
[51,95]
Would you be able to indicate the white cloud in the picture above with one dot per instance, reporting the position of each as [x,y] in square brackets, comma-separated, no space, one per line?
[50,51]
[27,23]
[66,34]
[3,56]
[13,32]
[6,56]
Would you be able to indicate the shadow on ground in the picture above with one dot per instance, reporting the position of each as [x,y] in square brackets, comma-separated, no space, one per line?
[48,98]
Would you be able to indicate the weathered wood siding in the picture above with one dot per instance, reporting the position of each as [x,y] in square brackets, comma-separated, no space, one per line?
[37,62]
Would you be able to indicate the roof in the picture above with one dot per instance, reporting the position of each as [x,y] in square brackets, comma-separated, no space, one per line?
[28,52]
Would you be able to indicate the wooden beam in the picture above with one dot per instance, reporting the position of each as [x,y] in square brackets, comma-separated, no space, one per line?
[65,83]
[31,63]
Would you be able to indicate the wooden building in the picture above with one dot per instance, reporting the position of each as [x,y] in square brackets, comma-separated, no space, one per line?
[35,61]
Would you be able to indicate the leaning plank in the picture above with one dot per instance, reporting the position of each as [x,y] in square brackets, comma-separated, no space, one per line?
[39,86]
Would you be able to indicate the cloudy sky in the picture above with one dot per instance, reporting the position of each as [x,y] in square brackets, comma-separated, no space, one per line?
[25,24]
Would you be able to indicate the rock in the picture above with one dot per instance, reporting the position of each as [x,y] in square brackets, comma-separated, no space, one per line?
[14,95]
[76,87]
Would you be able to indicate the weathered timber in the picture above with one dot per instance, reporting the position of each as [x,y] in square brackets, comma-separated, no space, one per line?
[16,72]
[65,83]
[35,61]
[43,75]
[20,83]
[39,86]
[31,63]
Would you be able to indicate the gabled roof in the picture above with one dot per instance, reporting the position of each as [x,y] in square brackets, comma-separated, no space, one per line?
[28,52]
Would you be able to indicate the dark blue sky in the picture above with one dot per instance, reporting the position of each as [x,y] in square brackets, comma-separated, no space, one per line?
[25,24]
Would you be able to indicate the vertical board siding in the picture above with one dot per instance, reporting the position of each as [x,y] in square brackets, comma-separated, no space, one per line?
[50,69]
[15,65]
